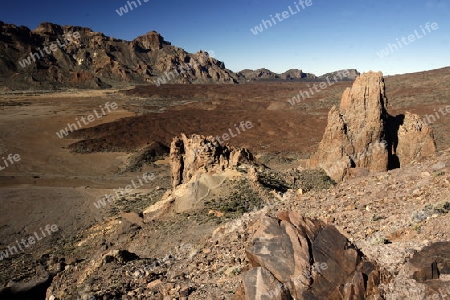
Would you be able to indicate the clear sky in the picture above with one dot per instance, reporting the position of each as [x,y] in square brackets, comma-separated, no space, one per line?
[326,36]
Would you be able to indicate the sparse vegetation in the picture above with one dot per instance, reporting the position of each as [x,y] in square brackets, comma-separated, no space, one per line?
[242,200]
[307,180]
[376,217]
[429,210]
[14,103]
[135,202]
[147,155]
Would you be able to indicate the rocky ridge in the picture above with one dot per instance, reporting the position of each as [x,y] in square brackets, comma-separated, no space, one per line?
[352,74]
[266,74]
[293,74]
[98,61]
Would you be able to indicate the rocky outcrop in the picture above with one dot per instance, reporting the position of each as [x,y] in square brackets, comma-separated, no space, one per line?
[259,74]
[151,40]
[431,262]
[94,60]
[360,134]
[194,154]
[412,138]
[294,257]
[293,74]
[200,168]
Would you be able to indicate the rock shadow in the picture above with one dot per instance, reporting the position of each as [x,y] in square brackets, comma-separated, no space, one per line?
[393,125]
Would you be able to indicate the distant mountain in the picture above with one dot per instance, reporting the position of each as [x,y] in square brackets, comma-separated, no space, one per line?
[54,56]
[296,74]
[293,74]
[351,74]
[265,74]
[44,58]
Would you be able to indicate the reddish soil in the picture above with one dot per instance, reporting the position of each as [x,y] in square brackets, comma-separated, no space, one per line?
[214,110]
[277,126]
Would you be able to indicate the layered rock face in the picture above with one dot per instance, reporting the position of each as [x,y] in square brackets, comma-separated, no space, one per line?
[361,133]
[190,155]
[95,60]
[299,258]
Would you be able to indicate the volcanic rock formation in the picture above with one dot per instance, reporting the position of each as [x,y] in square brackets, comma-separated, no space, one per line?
[411,139]
[299,258]
[360,134]
[202,154]
[199,165]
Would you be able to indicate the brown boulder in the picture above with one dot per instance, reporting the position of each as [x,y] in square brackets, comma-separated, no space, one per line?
[431,262]
[425,275]
[302,258]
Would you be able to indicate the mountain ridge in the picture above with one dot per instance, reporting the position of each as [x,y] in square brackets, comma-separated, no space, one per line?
[94,60]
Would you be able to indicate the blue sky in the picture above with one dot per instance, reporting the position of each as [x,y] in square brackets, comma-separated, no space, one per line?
[326,36]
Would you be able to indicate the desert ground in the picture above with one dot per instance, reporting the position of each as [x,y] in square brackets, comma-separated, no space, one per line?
[58,180]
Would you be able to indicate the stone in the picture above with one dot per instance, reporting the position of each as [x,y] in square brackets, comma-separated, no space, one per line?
[431,262]
[133,218]
[295,257]
[154,284]
[258,283]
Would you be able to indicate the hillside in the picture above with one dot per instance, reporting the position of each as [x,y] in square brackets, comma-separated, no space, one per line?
[53,56]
